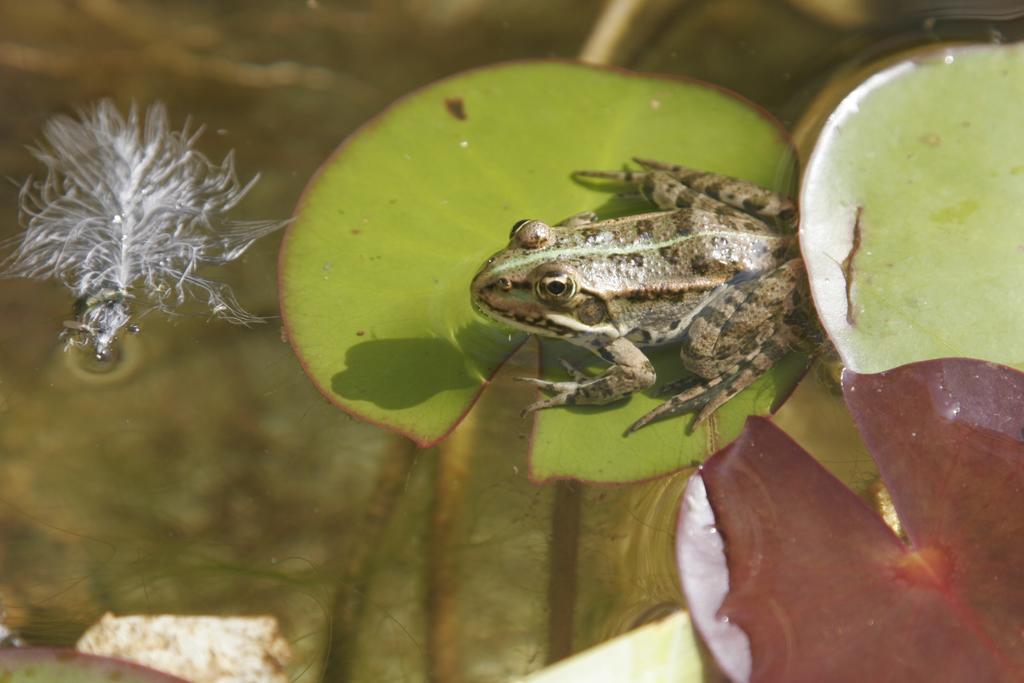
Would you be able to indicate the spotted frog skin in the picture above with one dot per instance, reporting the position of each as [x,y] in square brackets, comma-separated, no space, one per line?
[714,270]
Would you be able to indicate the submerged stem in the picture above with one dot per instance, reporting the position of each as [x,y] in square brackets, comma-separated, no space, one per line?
[350,599]
[564,554]
[610,31]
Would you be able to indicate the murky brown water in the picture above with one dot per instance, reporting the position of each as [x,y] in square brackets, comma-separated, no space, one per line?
[207,475]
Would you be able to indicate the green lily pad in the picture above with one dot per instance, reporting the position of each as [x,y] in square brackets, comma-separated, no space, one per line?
[34,665]
[911,212]
[375,269]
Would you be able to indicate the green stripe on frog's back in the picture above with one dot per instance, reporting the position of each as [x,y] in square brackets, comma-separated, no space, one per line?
[654,235]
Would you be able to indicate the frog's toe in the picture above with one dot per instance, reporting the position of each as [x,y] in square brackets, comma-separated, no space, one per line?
[680,386]
[714,402]
[553,402]
[703,395]
[575,372]
[686,402]
[620,176]
[557,387]
[665,167]
[563,394]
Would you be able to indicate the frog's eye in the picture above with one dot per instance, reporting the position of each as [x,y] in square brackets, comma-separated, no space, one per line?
[556,286]
[531,234]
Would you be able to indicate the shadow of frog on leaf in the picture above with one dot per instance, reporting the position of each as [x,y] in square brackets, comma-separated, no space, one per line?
[401,373]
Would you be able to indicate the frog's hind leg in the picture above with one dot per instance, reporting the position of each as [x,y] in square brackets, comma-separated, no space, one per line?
[708,395]
[668,191]
[664,191]
[737,336]
[741,194]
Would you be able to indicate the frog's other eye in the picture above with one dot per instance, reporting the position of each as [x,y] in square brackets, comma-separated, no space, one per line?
[556,286]
[518,224]
[503,283]
[531,234]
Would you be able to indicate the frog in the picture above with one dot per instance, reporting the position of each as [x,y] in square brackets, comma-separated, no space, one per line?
[713,268]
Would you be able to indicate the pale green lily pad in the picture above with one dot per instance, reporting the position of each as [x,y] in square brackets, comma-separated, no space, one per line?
[912,222]
[375,268]
[663,651]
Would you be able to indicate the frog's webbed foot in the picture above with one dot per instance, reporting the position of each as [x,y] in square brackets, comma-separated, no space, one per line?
[706,396]
[635,178]
[564,392]
[582,390]
[631,372]
[624,176]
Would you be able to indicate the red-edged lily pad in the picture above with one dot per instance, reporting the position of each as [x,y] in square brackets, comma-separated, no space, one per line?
[376,267]
[39,665]
[792,577]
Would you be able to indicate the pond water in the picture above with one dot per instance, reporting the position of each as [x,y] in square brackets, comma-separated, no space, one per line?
[205,474]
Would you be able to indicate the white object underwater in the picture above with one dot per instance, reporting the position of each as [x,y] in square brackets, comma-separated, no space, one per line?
[127,212]
[200,649]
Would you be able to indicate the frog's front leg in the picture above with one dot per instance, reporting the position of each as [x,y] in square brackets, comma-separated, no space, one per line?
[631,371]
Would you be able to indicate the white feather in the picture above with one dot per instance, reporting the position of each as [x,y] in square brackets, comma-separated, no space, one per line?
[129,210]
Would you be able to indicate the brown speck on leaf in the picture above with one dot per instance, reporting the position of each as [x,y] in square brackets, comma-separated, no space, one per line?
[851,316]
[655,104]
[356,231]
[1020,248]
[360,333]
[456,107]
[931,139]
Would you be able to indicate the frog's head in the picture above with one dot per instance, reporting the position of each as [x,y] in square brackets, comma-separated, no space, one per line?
[527,285]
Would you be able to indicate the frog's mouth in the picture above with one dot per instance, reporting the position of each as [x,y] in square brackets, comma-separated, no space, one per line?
[534,318]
